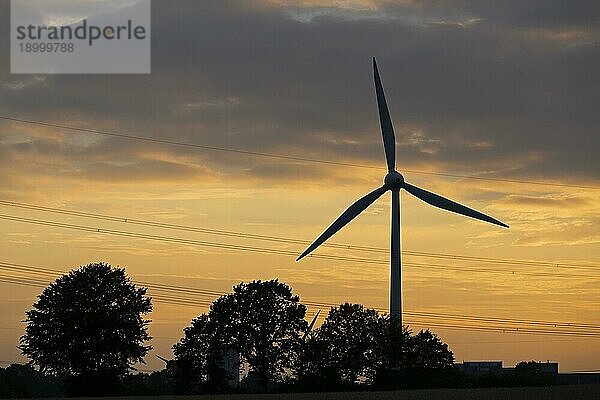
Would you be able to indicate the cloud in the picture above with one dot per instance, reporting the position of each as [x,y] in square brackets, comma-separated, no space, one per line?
[547,201]
[550,219]
[502,94]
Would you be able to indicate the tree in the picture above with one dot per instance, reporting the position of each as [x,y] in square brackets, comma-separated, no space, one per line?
[314,371]
[264,322]
[425,361]
[197,367]
[393,352]
[357,345]
[88,324]
[18,381]
[427,352]
[531,373]
[261,320]
[344,348]
[529,367]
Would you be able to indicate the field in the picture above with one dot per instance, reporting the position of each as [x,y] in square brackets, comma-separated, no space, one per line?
[571,392]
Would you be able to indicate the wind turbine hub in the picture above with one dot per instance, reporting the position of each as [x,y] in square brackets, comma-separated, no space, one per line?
[394,180]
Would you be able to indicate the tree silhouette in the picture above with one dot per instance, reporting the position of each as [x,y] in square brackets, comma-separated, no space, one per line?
[19,381]
[88,324]
[357,345]
[393,351]
[198,365]
[423,361]
[344,348]
[428,352]
[531,373]
[261,320]
[531,367]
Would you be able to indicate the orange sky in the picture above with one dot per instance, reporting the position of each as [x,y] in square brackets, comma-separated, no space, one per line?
[292,199]
[302,212]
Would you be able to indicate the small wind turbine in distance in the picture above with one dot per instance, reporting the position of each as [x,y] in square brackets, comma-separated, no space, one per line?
[311,325]
[394,181]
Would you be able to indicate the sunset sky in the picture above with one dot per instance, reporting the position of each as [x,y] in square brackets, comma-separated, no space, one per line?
[502,90]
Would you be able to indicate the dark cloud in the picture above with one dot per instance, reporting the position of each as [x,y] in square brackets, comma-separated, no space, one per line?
[472,87]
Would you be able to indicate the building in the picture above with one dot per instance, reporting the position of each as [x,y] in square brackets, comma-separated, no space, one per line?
[496,368]
[231,364]
[480,367]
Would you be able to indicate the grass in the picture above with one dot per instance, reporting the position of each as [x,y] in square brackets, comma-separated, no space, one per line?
[568,392]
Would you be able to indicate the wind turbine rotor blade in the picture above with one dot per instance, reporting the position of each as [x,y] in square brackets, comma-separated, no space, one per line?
[446,204]
[311,325]
[162,359]
[387,129]
[347,216]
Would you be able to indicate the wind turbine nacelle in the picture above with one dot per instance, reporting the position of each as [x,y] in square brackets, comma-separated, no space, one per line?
[394,180]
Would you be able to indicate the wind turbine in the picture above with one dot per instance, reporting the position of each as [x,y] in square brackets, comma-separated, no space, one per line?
[394,182]
[311,325]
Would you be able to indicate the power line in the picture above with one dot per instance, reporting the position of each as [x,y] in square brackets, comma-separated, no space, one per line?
[512,330]
[277,156]
[503,330]
[212,293]
[417,316]
[280,239]
[505,320]
[264,250]
[511,342]
[163,298]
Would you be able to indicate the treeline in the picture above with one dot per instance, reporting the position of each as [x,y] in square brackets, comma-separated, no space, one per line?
[87,330]
[263,324]
[23,381]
